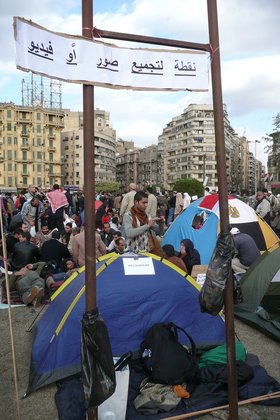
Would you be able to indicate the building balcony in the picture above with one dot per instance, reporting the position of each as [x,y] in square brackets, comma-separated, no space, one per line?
[51,149]
[55,174]
[24,173]
[51,136]
[24,134]
[24,147]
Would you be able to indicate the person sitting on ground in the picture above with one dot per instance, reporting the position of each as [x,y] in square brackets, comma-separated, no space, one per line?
[53,249]
[247,251]
[137,224]
[75,231]
[24,252]
[189,254]
[106,234]
[78,247]
[66,233]
[114,223]
[43,235]
[29,284]
[69,268]
[106,218]
[116,235]
[169,254]
[120,247]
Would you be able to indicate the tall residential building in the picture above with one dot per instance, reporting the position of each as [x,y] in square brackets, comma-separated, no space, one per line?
[72,148]
[148,166]
[29,146]
[127,164]
[187,149]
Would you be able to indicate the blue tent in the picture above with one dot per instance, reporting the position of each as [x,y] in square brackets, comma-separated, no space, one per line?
[200,223]
[204,239]
[129,304]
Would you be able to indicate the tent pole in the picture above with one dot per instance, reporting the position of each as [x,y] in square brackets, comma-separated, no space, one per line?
[89,178]
[223,197]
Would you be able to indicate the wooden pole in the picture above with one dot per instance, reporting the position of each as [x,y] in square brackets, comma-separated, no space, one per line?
[89,178]
[223,197]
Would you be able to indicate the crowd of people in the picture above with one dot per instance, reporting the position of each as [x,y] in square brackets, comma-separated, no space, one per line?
[45,237]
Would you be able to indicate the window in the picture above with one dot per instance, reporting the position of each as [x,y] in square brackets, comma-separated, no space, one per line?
[10,166]
[24,155]
[9,127]
[77,155]
[9,113]
[10,181]
[9,154]
[39,142]
[24,180]
[39,168]
[24,168]
[38,128]
[9,140]
[39,155]
[38,116]
[15,140]
[50,131]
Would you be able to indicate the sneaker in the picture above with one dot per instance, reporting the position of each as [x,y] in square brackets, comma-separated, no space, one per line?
[33,293]
[38,299]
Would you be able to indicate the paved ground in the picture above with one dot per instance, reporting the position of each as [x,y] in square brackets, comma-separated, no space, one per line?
[40,405]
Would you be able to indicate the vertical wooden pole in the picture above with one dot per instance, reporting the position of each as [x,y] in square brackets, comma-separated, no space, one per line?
[223,197]
[89,178]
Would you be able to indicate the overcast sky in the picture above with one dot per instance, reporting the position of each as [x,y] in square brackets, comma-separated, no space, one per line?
[249,48]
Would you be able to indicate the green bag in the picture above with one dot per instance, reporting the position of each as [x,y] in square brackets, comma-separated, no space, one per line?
[218,355]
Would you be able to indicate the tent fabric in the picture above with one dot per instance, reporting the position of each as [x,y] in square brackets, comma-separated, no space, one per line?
[260,287]
[129,304]
[204,239]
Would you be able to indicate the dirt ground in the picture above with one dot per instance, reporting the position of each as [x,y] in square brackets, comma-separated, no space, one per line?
[41,405]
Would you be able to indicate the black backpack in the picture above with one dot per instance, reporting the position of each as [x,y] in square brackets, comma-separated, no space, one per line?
[165,359]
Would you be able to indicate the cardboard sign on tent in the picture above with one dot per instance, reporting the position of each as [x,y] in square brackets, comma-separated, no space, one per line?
[133,293]
[200,222]
[261,295]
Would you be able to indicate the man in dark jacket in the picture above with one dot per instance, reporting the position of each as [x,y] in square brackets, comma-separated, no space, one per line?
[52,249]
[24,252]
[246,251]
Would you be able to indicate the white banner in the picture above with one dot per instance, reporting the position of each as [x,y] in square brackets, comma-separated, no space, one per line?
[80,60]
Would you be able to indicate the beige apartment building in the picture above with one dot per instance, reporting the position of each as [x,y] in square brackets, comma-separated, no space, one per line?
[72,149]
[30,150]
[187,149]
[127,164]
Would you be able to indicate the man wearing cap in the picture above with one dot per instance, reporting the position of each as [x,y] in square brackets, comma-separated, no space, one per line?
[246,251]
[128,199]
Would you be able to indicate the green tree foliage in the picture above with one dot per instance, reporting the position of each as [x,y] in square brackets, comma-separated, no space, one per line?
[191,186]
[109,186]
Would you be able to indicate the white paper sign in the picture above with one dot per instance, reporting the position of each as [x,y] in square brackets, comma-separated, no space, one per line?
[138,266]
[81,60]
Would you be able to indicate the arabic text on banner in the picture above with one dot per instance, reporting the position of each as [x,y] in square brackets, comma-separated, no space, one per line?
[80,60]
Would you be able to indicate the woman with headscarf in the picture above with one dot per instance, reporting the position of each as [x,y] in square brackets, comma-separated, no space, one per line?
[189,254]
